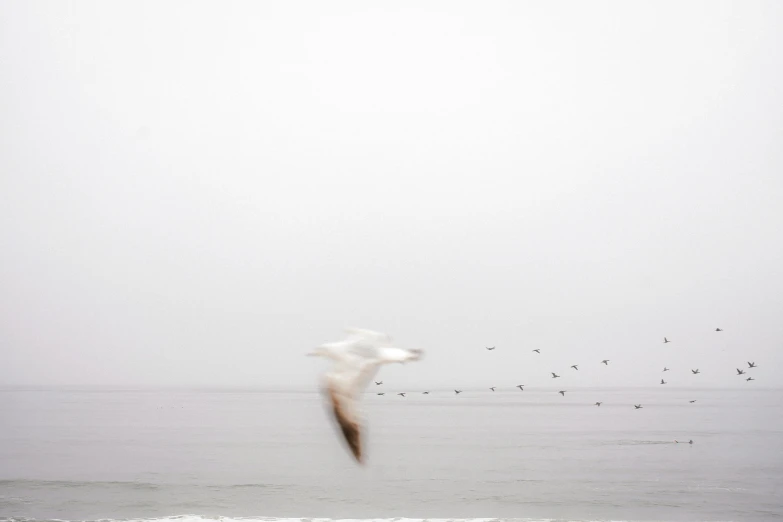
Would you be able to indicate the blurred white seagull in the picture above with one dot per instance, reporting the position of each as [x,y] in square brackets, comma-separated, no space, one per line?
[357,359]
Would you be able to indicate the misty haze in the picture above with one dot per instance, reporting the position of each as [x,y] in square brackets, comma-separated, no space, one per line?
[527,198]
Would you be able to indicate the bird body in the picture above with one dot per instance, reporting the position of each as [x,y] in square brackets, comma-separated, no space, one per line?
[665,340]
[663,382]
[457,391]
[537,350]
[378,383]
[637,406]
[562,392]
[695,372]
[606,362]
[356,360]
[665,369]
[492,388]
[521,387]
[598,403]
[575,366]
[718,330]
[750,379]
[554,375]
[490,348]
[751,365]
[740,372]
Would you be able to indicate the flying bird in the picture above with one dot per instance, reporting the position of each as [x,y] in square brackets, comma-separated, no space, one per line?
[751,365]
[425,393]
[520,386]
[718,330]
[382,393]
[740,372]
[606,362]
[663,382]
[637,406]
[665,340]
[575,366]
[598,403]
[357,359]
[562,392]
[554,375]
[378,383]
[694,400]
[401,394]
[457,391]
[695,372]
[750,379]
[665,369]
[490,347]
[492,388]
[537,350]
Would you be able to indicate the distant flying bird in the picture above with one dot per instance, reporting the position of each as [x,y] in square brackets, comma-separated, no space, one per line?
[382,393]
[357,358]
[562,392]
[598,403]
[750,379]
[637,406]
[665,340]
[425,393]
[718,330]
[695,372]
[378,383]
[554,375]
[575,366]
[663,382]
[694,400]
[537,350]
[490,347]
[740,372]
[751,365]
[606,362]
[492,388]
[520,386]
[401,394]
[665,369]
[457,391]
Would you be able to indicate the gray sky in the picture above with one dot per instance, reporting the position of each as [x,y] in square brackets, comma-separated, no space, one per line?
[197,193]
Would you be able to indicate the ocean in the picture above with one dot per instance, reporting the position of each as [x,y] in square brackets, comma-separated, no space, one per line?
[222,454]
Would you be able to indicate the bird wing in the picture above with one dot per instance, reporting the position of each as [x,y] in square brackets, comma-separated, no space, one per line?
[343,387]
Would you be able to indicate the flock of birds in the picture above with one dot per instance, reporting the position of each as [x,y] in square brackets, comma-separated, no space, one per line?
[358,358]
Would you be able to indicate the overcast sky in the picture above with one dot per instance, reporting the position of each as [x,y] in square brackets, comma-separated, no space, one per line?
[197,193]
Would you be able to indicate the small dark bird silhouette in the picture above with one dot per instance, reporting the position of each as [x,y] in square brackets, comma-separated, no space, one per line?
[665,369]
[598,403]
[740,372]
[382,393]
[695,372]
[718,330]
[637,406]
[425,393]
[401,394]
[606,362]
[663,382]
[575,366]
[492,388]
[694,400]
[537,350]
[665,340]
[520,386]
[750,379]
[562,392]
[378,383]
[554,375]
[490,347]
[690,441]
[751,365]
[457,391]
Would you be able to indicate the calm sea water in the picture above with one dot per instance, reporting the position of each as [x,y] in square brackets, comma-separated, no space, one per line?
[101,454]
